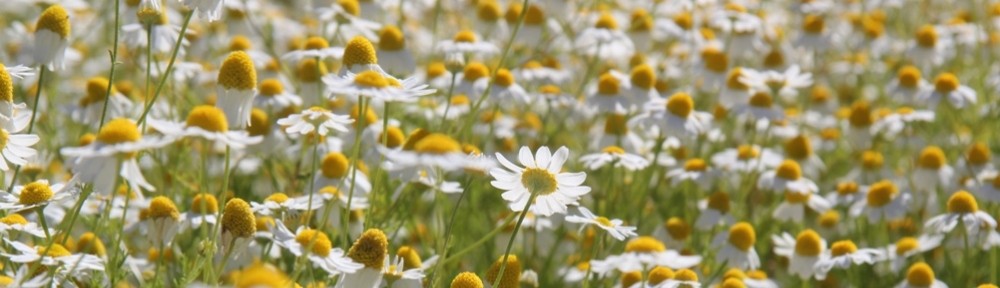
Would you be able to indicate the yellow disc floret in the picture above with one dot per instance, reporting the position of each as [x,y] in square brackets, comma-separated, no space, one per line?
[437,143]
[315,241]
[742,236]
[608,85]
[359,51]
[238,219]
[204,203]
[89,243]
[467,280]
[843,247]
[163,207]
[962,202]
[334,165]
[539,180]
[391,39]
[789,169]
[209,118]
[238,72]
[35,193]
[511,273]
[54,19]
[946,82]
[920,275]
[881,193]
[645,244]
[119,130]
[680,104]
[932,158]
[808,243]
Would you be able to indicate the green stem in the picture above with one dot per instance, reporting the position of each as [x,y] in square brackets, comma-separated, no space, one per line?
[455,256]
[510,242]
[170,67]
[114,60]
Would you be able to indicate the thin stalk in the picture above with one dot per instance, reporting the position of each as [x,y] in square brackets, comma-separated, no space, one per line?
[510,242]
[170,67]
[114,60]
[362,113]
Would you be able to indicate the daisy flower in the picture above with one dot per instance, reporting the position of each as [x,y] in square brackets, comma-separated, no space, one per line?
[847,193]
[604,40]
[814,36]
[784,84]
[608,95]
[615,227]
[712,67]
[371,84]
[505,91]
[901,119]
[161,220]
[695,170]
[55,255]
[736,247]
[90,109]
[210,10]
[279,203]
[535,72]
[760,105]
[795,204]
[883,201]
[239,225]
[370,249]
[962,207]
[52,38]
[336,171]
[35,194]
[908,85]
[344,19]
[746,158]
[675,116]
[392,52]
[164,35]
[14,222]
[540,180]
[428,151]
[207,122]
[272,96]
[947,87]
[674,232]
[735,91]
[920,275]
[644,252]
[978,159]
[932,170]
[714,211]
[615,156]
[467,44]
[203,210]
[989,186]
[803,251]
[16,147]
[315,120]
[787,177]
[237,85]
[113,154]
[317,246]
[315,47]
[844,254]
[906,247]
[927,49]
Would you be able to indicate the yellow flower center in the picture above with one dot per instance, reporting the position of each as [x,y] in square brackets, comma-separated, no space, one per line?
[642,76]
[371,79]
[511,274]
[774,59]
[686,275]
[660,274]
[680,104]
[881,193]
[475,70]
[932,157]
[761,99]
[844,247]
[742,236]
[616,124]
[927,36]
[871,160]
[35,193]
[677,228]
[535,17]
[465,36]
[796,198]
[808,243]
[607,85]
[503,78]
[847,188]
[350,6]
[820,94]
[996,182]
[715,60]
[613,150]
[89,243]
[204,203]
[733,283]
[238,72]
[207,117]
[684,20]
[334,165]
[316,43]
[271,87]
[631,278]
[978,154]
[799,147]
[695,164]
[394,138]
[359,51]
[606,21]
[239,43]
[789,169]
[906,244]
[645,244]
[97,89]
[315,241]
[56,250]
[277,198]
[488,11]
[909,77]
[411,259]
[920,275]
[370,249]
[54,19]
[746,152]
[829,219]
[539,180]
[435,69]
[813,24]
[163,207]
[467,280]
[391,39]
[310,71]
[13,219]
[6,85]
[238,219]
[119,130]
[946,82]
[861,115]
[513,13]
[962,202]
[437,143]
[719,201]
[259,124]
[733,79]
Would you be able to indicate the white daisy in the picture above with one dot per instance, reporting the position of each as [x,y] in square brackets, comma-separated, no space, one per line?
[947,87]
[736,247]
[316,246]
[616,156]
[540,180]
[113,154]
[883,201]
[803,251]
[315,120]
[906,247]
[207,122]
[35,194]
[962,208]
[787,177]
[844,254]
[615,227]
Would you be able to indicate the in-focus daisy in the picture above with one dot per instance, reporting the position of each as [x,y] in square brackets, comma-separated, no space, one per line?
[962,209]
[162,220]
[787,177]
[14,222]
[947,87]
[239,225]
[920,275]
[615,227]
[844,254]
[317,246]
[883,201]
[370,249]
[113,154]
[616,156]
[736,247]
[54,255]
[35,194]
[207,122]
[16,148]
[803,251]
[540,178]
[52,38]
[237,86]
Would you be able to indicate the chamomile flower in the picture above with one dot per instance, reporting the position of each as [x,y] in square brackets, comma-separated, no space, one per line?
[336,171]
[844,254]
[374,85]
[947,87]
[604,40]
[989,186]
[901,119]
[280,203]
[16,148]
[210,10]
[614,227]
[784,84]
[204,209]
[238,227]
[932,170]
[237,86]
[272,96]
[736,247]
[746,158]
[162,36]
[52,38]
[467,44]
[962,208]
[759,106]
[908,85]
[695,170]
[814,34]
[54,255]
[615,156]
[674,232]
[787,177]
[315,120]
[162,220]
[344,19]
[714,211]
[535,72]
[906,247]
[91,108]
[317,246]
[392,52]
[712,68]
[675,116]
[505,91]
[920,275]
[426,150]
[847,193]
[928,49]
[315,47]
[803,251]
[206,122]
[540,179]
[795,204]
[13,223]
[113,154]
[609,95]
[370,250]
[883,201]
[644,252]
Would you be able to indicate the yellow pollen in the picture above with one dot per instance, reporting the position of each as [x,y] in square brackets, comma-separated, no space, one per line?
[277,198]
[715,60]
[962,202]
[459,100]
[680,104]
[359,51]
[54,19]
[97,89]
[535,16]
[475,70]
[264,223]
[119,130]
[946,82]
[394,138]
[926,36]
[239,43]
[238,72]
[308,72]
[686,275]
[316,43]
[513,13]
[435,69]
[488,11]
[204,203]
[350,6]
[789,169]
[370,116]
[932,157]
[796,198]
[55,251]
[813,24]
[733,80]
[411,259]
[920,275]
[881,193]
[695,164]
[847,188]
[315,241]
[747,152]
[259,124]
[732,283]
[761,99]
[861,115]
[978,154]
[684,20]
[616,124]
[906,244]
[799,147]
[372,79]
[465,36]
[271,87]
[163,207]
[808,243]
[35,193]
[606,21]
[843,247]
[613,150]
[742,236]
[6,85]
[871,160]
[607,85]
[660,274]
[334,165]
[774,59]
[370,249]
[829,219]
[641,21]
[909,77]
[467,280]
[645,244]
[539,180]
[89,243]
[238,219]
[437,143]
[391,39]
[13,219]
[207,117]
[677,228]
[503,78]
[719,201]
